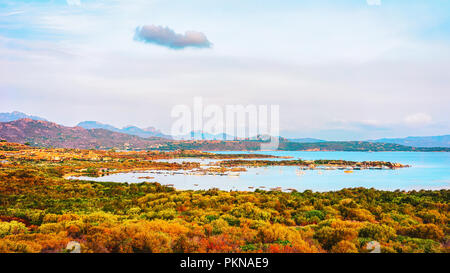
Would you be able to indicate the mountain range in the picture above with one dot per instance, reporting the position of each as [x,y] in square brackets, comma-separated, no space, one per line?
[348,146]
[199,135]
[426,141]
[130,129]
[48,134]
[95,137]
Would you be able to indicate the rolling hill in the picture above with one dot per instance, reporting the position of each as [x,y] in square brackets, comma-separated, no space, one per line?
[427,141]
[350,146]
[49,134]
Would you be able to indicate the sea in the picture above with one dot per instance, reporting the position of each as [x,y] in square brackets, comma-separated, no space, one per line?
[427,171]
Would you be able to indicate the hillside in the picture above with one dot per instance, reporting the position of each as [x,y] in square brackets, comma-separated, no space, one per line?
[427,141]
[49,134]
[355,146]
[296,146]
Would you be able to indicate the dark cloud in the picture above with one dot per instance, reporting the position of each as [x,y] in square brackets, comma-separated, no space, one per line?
[165,36]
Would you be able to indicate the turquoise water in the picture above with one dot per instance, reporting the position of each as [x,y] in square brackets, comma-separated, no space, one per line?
[427,171]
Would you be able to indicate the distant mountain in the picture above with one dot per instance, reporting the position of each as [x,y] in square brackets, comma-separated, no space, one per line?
[130,130]
[6,117]
[145,132]
[305,140]
[363,146]
[49,134]
[350,146]
[198,135]
[97,125]
[427,141]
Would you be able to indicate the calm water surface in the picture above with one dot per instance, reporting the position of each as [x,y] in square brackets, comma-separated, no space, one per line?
[428,171]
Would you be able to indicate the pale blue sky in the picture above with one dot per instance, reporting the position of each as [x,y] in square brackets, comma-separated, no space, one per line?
[338,69]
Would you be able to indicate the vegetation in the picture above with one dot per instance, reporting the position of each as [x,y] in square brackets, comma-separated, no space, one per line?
[40,211]
[284,145]
[352,146]
[312,163]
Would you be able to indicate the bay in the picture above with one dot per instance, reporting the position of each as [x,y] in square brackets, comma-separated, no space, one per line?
[429,170]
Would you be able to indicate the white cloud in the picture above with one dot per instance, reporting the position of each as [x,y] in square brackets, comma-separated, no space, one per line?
[418,119]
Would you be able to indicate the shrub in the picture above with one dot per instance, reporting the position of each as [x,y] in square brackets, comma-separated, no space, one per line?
[13,227]
[344,247]
[377,232]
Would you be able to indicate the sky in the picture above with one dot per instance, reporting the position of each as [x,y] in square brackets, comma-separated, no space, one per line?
[339,70]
